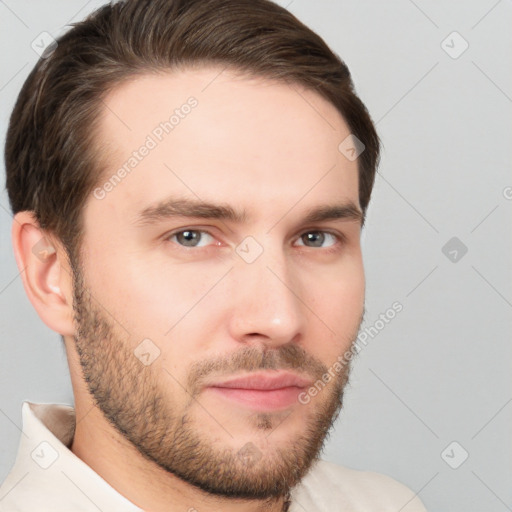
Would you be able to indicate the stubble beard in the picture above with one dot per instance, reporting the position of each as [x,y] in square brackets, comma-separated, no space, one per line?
[131,398]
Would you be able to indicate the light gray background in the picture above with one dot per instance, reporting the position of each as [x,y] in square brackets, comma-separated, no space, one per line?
[439,371]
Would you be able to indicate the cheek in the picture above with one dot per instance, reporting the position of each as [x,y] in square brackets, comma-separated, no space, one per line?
[147,291]
[172,305]
[181,307]
[339,303]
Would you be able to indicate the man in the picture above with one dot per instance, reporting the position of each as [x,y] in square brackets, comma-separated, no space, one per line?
[189,181]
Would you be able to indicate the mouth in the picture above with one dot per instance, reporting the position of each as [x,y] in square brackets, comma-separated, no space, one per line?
[263,391]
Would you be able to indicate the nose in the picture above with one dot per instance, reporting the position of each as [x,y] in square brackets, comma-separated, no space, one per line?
[267,301]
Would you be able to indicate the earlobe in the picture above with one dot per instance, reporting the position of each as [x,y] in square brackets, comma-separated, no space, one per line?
[45,272]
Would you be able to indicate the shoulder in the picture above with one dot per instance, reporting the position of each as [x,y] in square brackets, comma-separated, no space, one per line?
[330,487]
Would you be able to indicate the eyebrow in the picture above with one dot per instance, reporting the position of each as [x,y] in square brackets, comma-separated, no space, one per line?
[185,207]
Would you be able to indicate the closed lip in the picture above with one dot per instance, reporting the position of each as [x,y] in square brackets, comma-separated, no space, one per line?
[264,381]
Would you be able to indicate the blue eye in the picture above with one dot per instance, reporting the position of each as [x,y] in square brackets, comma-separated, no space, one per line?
[198,238]
[317,238]
[189,237]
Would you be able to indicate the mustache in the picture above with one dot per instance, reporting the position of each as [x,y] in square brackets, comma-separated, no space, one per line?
[285,357]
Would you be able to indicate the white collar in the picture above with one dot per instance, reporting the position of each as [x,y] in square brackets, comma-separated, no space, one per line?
[46,467]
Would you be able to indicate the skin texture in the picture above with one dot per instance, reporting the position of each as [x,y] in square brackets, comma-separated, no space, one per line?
[156,432]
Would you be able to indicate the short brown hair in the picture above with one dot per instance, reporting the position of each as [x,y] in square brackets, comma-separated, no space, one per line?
[50,153]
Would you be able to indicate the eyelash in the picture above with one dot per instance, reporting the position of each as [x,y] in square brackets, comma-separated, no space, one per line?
[340,239]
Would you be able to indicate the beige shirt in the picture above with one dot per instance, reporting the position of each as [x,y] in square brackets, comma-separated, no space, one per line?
[48,477]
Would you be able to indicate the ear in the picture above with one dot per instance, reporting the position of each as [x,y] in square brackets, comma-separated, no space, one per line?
[45,272]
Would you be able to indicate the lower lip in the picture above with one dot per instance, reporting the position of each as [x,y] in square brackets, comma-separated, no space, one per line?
[263,400]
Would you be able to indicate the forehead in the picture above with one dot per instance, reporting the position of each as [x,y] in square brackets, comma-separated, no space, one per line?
[211,134]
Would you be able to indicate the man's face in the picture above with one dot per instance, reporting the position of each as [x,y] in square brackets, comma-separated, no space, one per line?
[197,333]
